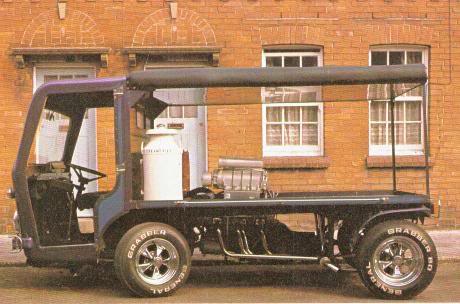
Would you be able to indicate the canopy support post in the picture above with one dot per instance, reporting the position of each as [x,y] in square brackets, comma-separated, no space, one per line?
[393,142]
[426,140]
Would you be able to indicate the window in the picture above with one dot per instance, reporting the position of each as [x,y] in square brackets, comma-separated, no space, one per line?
[140,119]
[179,112]
[54,126]
[143,121]
[53,133]
[292,117]
[408,107]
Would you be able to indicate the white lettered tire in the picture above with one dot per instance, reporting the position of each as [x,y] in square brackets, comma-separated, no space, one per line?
[152,259]
[396,260]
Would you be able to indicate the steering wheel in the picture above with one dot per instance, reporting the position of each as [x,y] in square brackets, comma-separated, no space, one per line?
[82,179]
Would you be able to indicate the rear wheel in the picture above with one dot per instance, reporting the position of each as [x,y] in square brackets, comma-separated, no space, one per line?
[396,260]
[152,259]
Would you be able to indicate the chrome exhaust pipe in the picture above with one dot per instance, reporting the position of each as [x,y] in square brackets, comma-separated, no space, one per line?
[241,243]
[263,238]
[245,242]
[261,256]
[326,262]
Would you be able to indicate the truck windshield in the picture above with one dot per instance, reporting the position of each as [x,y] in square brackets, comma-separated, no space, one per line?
[51,137]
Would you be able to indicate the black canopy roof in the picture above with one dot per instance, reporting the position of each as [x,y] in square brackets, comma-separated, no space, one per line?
[261,77]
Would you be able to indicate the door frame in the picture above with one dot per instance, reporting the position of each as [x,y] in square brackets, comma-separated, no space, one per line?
[59,65]
[191,65]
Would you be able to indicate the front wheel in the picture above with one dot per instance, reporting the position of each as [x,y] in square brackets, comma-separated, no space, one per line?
[397,260]
[152,259]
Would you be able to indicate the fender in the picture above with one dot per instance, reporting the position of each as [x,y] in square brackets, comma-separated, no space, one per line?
[420,212]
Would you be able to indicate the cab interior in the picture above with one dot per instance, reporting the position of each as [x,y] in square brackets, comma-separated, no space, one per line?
[58,186]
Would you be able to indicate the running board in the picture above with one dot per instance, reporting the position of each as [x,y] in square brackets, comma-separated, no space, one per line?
[261,256]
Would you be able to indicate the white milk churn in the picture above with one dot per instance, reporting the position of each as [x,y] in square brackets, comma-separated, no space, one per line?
[162,162]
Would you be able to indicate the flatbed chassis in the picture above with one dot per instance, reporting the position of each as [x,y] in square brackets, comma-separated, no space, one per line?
[296,201]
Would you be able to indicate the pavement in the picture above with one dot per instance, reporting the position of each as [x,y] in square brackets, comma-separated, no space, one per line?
[213,284]
[447,244]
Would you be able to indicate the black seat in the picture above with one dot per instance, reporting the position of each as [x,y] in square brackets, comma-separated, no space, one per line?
[87,200]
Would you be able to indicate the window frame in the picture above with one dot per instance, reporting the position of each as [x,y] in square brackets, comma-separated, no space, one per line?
[400,149]
[293,150]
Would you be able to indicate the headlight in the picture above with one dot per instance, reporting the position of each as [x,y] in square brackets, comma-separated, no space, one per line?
[10,193]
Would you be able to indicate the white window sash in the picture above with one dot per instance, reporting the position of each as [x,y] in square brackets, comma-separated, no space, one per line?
[293,150]
[400,149]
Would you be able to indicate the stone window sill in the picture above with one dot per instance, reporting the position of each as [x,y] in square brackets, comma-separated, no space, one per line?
[417,161]
[296,162]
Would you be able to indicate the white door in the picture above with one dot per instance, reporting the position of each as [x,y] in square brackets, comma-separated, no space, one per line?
[53,129]
[190,122]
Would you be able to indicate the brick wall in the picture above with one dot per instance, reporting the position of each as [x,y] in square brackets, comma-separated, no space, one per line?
[345,29]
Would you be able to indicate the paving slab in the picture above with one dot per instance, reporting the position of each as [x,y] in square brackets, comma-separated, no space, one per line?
[447,243]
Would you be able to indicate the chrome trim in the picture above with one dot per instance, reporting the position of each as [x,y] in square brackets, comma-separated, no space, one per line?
[326,262]
[265,243]
[241,243]
[245,242]
[261,256]
[398,261]
[289,200]
[10,193]
[157,261]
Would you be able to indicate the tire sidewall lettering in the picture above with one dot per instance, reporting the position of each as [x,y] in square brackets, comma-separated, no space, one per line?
[176,282]
[380,285]
[141,238]
[419,237]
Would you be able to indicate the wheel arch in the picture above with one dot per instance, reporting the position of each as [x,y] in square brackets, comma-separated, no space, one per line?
[115,231]
[395,214]
[365,222]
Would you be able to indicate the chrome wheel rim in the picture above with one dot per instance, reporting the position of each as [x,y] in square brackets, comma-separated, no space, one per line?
[157,261]
[398,261]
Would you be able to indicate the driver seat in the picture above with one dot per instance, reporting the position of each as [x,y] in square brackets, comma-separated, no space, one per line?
[88,200]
